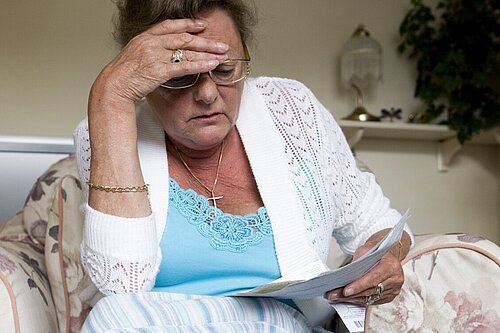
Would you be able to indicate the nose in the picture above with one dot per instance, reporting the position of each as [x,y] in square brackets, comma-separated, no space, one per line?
[205,90]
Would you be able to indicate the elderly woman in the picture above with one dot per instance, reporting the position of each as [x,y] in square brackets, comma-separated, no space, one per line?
[203,182]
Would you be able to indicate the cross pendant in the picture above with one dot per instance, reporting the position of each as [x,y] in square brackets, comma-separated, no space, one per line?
[213,198]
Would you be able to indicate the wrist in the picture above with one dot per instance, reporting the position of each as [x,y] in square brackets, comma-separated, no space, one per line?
[104,95]
[397,250]
[401,249]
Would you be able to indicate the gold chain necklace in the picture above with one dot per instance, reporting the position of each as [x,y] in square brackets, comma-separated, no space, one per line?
[209,190]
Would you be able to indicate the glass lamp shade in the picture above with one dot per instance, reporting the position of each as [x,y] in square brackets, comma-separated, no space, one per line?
[360,66]
[361,60]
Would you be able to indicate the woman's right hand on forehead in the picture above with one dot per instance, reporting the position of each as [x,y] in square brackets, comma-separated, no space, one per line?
[146,61]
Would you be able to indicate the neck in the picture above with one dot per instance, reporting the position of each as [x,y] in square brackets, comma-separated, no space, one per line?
[194,155]
[210,189]
[197,158]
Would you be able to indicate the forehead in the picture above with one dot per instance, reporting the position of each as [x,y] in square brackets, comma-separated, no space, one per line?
[222,29]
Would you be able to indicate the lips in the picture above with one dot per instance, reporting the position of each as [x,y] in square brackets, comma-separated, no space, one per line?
[208,116]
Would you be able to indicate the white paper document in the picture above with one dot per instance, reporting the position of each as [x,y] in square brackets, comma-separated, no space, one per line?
[353,316]
[316,279]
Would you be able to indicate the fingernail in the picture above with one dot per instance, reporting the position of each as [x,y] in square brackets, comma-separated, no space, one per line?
[200,23]
[221,57]
[333,295]
[222,46]
[213,63]
[348,292]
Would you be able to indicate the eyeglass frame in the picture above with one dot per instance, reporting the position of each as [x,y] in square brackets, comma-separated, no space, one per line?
[247,72]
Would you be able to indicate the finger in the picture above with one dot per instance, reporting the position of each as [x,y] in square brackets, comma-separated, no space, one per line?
[390,291]
[334,294]
[351,300]
[365,285]
[191,56]
[179,34]
[186,68]
[337,295]
[177,26]
[361,299]
[146,43]
[392,287]
[194,56]
[389,268]
[186,41]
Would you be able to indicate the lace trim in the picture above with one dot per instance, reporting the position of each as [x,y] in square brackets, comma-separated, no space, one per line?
[226,232]
[83,153]
[115,276]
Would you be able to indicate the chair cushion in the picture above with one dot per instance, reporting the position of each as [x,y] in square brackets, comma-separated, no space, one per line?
[452,284]
[25,301]
[37,207]
[62,255]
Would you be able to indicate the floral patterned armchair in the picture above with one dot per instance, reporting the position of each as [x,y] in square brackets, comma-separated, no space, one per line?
[452,281]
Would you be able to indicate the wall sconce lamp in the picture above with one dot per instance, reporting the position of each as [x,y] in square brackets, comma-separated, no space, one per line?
[360,67]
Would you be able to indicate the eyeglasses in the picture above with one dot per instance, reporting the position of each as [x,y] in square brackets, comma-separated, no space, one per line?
[228,72]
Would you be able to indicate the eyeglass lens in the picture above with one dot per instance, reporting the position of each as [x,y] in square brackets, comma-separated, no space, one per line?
[230,71]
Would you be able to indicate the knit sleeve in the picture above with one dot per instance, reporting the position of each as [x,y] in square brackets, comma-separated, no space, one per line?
[119,254]
[338,199]
[363,209]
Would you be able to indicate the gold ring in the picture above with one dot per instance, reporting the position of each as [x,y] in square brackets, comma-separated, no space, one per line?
[177,55]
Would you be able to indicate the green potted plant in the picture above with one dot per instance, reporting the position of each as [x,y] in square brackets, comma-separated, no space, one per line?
[457,58]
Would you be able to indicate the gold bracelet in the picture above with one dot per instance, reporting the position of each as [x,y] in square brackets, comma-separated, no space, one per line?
[119,189]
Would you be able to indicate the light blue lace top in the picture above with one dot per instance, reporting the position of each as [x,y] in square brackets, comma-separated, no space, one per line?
[209,252]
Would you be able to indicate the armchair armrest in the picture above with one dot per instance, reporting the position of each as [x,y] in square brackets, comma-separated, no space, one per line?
[25,299]
[452,283]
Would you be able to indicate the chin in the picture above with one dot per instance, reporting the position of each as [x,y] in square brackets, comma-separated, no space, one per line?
[208,139]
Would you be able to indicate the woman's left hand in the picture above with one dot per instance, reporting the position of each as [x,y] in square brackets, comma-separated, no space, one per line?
[388,273]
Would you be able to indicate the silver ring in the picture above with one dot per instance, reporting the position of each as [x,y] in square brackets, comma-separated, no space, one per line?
[372,299]
[380,288]
[177,55]
[375,297]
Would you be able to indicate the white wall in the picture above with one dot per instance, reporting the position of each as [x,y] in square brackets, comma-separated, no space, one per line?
[464,199]
[302,40]
[51,51]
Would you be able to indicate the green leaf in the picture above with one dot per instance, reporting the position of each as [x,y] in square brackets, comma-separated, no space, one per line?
[457,62]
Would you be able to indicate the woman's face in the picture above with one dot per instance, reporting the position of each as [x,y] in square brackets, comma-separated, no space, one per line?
[201,116]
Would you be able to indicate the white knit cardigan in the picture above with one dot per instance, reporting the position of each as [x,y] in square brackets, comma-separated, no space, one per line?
[304,169]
